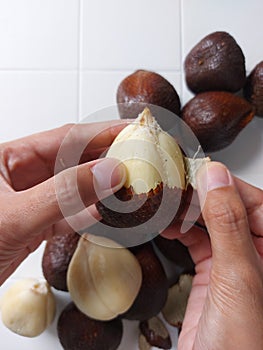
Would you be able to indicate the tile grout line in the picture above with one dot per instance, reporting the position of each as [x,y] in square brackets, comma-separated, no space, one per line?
[80,54]
[79,69]
[181,45]
[39,70]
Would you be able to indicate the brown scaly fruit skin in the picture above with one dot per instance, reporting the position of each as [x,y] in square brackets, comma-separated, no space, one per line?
[215,63]
[56,258]
[253,90]
[153,293]
[136,209]
[216,118]
[175,251]
[142,88]
[79,332]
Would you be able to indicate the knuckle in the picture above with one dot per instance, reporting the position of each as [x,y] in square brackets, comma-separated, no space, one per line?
[229,214]
[67,190]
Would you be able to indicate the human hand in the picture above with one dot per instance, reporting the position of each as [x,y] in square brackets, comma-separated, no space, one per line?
[225,307]
[31,195]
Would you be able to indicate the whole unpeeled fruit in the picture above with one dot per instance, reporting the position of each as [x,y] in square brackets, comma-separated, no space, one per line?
[79,332]
[253,90]
[145,88]
[175,251]
[56,258]
[154,288]
[216,118]
[216,63]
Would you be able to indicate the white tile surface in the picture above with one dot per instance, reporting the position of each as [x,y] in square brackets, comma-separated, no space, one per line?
[35,101]
[244,157]
[98,89]
[242,19]
[130,35]
[39,34]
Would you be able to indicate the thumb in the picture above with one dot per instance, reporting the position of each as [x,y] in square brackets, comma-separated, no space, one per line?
[69,192]
[224,215]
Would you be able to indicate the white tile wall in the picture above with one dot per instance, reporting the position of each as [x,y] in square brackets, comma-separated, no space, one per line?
[31,101]
[84,48]
[241,19]
[37,34]
[98,88]
[121,35]
[61,60]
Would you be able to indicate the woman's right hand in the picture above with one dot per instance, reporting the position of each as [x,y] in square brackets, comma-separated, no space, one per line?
[225,308]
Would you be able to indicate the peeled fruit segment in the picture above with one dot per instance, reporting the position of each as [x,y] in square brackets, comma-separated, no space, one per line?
[144,88]
[103,278]
[79,332]
[149,154]
[216,118]
[215,63]
[28,307]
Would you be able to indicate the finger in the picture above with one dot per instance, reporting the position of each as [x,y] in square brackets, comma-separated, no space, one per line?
[225,216]
[68,193]
[82,220]
[31,160]
[252,198]
[76,223]
[195,306]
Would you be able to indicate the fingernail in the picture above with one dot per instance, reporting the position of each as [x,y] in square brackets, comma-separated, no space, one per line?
[108,174]
[210,177]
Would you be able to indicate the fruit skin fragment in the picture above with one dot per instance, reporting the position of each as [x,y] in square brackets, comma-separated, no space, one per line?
[28,307]
[175,307]
[155,333]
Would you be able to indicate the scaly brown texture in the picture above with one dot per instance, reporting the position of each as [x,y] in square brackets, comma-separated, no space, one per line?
[215,63]
[175,251]
[56,258]
[135,209]
[79,332]
[154,289]
[217,117]
[142,88]
[253,90]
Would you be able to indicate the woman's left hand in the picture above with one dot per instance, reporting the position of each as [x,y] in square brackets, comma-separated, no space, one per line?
[31,193]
